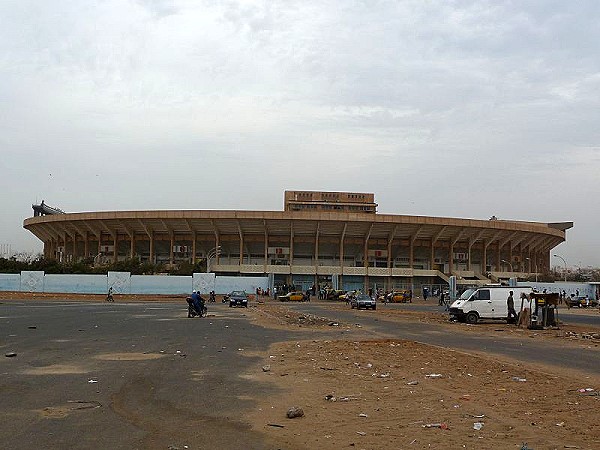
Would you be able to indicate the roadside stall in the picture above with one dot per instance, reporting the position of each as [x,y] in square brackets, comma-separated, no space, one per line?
[544,310]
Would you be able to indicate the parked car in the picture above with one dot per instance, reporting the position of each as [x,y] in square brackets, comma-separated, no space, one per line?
[238,298]
[581,302]
[294,296]
[333,294]
[363,301]
[401,297]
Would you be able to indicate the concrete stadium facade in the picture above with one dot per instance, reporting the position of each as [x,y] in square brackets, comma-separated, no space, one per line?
[305,247]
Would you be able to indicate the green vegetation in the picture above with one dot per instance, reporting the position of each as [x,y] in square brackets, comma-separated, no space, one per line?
[86,266]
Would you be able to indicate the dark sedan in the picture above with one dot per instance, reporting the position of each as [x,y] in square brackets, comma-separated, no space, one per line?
[238,298]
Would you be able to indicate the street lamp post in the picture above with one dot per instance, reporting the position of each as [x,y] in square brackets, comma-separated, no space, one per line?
[564,262]
[212,253]
[509,263]
[536,270]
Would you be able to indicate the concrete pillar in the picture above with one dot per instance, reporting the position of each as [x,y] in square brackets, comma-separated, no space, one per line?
[432,256]
[484,257]
[75,247]
[151,255]
[194,248]
[86,245]
[451,258]
[132,245]
[172,244]
[498,249]
[115,247]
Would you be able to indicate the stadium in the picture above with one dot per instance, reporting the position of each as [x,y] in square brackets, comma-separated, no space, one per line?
[320,238]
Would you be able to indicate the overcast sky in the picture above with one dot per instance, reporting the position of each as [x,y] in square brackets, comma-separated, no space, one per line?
[450,108]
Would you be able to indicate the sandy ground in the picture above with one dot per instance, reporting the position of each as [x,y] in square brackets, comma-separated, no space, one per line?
[398,394]
[389,394]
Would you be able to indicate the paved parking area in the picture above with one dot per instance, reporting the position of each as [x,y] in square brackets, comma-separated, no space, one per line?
[90,375]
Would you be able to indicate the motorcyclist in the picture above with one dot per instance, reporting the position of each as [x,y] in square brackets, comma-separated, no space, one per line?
[197,302]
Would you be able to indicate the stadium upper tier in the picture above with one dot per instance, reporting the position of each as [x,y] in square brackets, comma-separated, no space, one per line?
[303,238]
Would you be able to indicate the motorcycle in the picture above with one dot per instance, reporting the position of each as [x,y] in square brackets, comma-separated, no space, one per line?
[193,312]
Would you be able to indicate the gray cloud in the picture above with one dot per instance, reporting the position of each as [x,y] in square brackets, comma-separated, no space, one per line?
[466,109]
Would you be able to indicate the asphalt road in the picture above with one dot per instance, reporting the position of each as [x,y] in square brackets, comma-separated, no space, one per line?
[575,316]
[529,350]
[191,394]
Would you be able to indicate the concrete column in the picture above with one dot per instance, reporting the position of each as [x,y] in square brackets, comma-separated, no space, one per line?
[342,255]
[266,249]
[316,250]
[241,249]
[484,257]
[498,249]
[151,255]
[432,256]
[86,245]
[291,247]
[172,241]
[194,248]
[411,253]
[115,247]
[75,247]
[132,245]
[451,258]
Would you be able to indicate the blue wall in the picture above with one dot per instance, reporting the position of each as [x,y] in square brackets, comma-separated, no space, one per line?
[10,282]
[81,284]
[125,283]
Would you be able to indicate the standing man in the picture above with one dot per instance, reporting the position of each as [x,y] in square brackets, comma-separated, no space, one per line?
[510,303]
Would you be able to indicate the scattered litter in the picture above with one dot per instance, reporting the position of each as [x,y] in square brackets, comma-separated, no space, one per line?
[585,390]
[384,375]
[85,405]
[294,411]
[330,398]
[434,375]
[477,416]
[10,354]
[240,349]
[362,433]
[266,368]
[519,379]
[92,381]
[32,327]
[412,383]
[276,425]
[465,397]
[362,415]
[478,426]
[441,425]
[334,324]
[413,441]
[560,424]
[327,368]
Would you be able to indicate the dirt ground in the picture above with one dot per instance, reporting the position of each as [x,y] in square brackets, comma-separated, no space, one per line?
[397,394]
[388,394]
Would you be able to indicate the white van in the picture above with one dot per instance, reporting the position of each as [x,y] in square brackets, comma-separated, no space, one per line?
[487,302]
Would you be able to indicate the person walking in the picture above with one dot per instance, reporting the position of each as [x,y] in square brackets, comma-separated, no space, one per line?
[510,303]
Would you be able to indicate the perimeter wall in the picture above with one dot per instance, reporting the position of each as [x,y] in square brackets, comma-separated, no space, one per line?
[125,283]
